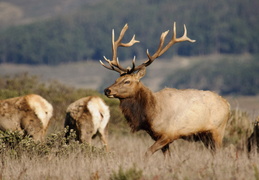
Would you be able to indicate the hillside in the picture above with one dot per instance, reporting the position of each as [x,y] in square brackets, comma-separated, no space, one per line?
[62,34]
[17,12]
[71,35]
[227,75]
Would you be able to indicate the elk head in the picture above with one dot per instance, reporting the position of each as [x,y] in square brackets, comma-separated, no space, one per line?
[129,81]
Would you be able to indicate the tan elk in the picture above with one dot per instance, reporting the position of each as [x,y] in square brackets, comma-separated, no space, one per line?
[29,114]
[168,114]
[88,116]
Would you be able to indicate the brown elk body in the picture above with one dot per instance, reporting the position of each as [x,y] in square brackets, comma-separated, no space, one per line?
[88,116]
[169,114]
[253,140]
[30,113]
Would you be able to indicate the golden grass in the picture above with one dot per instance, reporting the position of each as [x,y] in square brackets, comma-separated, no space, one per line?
[188,161]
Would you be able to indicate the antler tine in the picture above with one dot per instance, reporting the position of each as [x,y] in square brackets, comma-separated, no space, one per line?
[157,53]
[132,69]
[132,41]
[184,37]
[162,50]
[114,63]
[111,66]
[176,40]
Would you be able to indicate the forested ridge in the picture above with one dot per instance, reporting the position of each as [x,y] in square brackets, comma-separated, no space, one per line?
[227,75]
[223,26]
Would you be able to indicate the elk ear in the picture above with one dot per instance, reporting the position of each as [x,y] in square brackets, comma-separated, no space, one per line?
[141,73]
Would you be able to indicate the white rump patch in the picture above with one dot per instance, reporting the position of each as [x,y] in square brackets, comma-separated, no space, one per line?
[100,113]
[42,108]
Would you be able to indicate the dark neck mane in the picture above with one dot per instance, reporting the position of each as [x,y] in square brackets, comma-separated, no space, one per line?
[139,110]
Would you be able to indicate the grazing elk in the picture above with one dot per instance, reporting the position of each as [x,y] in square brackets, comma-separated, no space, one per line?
[88,116]
[30,113]
[169,114]
[253,140]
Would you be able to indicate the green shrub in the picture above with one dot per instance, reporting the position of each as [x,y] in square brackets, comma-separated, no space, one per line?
[238,129]
[129,174]
[15,144]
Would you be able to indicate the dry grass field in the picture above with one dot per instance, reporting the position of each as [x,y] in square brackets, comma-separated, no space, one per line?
[125,159]
[54,160]
[188,161]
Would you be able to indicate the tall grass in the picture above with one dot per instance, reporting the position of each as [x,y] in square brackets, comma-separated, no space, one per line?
[22,158]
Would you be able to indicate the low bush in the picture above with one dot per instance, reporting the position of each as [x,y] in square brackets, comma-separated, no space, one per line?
[238,129]
[127,174]
[15,144]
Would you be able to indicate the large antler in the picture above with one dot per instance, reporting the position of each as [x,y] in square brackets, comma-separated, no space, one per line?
[161,50]
[114,63]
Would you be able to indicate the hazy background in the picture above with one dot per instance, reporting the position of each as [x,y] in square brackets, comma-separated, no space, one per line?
[64,40]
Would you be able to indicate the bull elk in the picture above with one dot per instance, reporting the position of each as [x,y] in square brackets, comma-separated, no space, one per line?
[169,114]
[88,116]
[29,114]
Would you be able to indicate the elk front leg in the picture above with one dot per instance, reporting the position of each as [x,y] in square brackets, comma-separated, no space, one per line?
[162,143]
[166,151]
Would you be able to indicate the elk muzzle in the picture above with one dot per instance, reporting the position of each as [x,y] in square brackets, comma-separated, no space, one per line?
[107,92]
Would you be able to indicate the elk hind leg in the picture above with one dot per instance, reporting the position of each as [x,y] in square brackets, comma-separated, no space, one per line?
[217,137]
[218,134]
[103,136]
[207,140]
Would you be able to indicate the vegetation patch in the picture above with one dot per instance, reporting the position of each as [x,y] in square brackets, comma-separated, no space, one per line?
[127,174]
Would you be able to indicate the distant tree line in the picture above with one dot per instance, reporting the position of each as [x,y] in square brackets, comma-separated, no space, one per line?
[226,76]
[223,26]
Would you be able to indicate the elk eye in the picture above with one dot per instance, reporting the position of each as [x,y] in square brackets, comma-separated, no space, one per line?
[127,82]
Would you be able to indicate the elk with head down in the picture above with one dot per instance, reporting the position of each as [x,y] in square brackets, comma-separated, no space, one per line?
[88,116]
[168,114]
[29,114]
